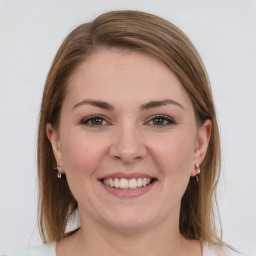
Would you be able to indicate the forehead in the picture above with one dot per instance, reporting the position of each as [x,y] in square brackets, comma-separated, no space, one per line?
[113,75]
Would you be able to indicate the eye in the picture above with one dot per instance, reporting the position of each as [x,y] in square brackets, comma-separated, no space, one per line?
[95,120]
[161,120]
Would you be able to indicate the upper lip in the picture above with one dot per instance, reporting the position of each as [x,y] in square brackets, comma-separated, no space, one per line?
[127,176]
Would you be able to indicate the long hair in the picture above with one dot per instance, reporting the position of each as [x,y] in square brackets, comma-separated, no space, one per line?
[152,35]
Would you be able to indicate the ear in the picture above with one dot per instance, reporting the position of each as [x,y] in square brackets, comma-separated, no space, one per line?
[202,142]
[54,138]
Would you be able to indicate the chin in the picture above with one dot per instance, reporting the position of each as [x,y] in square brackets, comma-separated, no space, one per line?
[128,227]
[129,221]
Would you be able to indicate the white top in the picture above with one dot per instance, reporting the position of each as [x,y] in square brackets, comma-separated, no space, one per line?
[49,250]
[42,250]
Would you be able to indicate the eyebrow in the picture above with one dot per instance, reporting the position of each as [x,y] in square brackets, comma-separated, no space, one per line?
[107,106]
[96,103]
[154,104]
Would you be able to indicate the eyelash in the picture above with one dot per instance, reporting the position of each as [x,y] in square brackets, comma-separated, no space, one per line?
[166,119]
[93,118]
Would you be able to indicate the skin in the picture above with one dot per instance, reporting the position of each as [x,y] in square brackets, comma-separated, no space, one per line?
[130,140]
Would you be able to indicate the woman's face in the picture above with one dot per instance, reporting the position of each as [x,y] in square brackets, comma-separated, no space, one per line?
[127,140]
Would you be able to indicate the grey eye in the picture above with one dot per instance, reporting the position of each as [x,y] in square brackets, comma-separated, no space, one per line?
[94,121]
[161,121]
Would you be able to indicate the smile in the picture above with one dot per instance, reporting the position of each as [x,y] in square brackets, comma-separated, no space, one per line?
[128,185]
[123,183]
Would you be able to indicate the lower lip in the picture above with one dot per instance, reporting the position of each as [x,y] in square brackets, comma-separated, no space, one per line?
[129,192]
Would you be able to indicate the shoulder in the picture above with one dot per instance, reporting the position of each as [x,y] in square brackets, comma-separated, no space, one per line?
[42,250]
[212,250]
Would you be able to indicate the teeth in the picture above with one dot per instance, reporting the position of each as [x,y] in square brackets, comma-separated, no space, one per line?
[116,183]
[139,182]
[132,183]
[127,183]
[111,183]
[124,183]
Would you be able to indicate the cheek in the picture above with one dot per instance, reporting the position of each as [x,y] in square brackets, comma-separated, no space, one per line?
[82,153]
[174,155]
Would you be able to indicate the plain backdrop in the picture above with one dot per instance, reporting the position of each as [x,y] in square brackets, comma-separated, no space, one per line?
[224,32]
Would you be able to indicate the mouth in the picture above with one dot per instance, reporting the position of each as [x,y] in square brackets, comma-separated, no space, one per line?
[127,184]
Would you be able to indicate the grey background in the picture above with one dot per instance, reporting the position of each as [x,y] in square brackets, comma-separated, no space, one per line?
[30,33]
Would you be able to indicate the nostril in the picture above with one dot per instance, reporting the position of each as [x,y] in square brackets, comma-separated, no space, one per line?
[127,145]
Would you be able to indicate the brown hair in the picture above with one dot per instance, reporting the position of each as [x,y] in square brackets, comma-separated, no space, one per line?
[152,35]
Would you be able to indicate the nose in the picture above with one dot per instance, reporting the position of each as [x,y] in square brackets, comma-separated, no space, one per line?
[127,144]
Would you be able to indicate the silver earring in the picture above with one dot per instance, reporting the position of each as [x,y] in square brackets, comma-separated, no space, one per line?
[58,168]
[198,171]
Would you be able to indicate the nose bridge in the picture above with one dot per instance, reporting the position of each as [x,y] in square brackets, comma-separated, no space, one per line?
[127,144]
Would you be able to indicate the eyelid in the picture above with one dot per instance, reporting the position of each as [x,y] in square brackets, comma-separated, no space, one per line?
[168,118]
[85,120]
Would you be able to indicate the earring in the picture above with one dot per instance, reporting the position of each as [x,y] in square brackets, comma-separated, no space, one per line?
[198,171]
[58,168]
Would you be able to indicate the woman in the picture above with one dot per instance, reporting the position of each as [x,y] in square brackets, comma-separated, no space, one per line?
[128,123]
